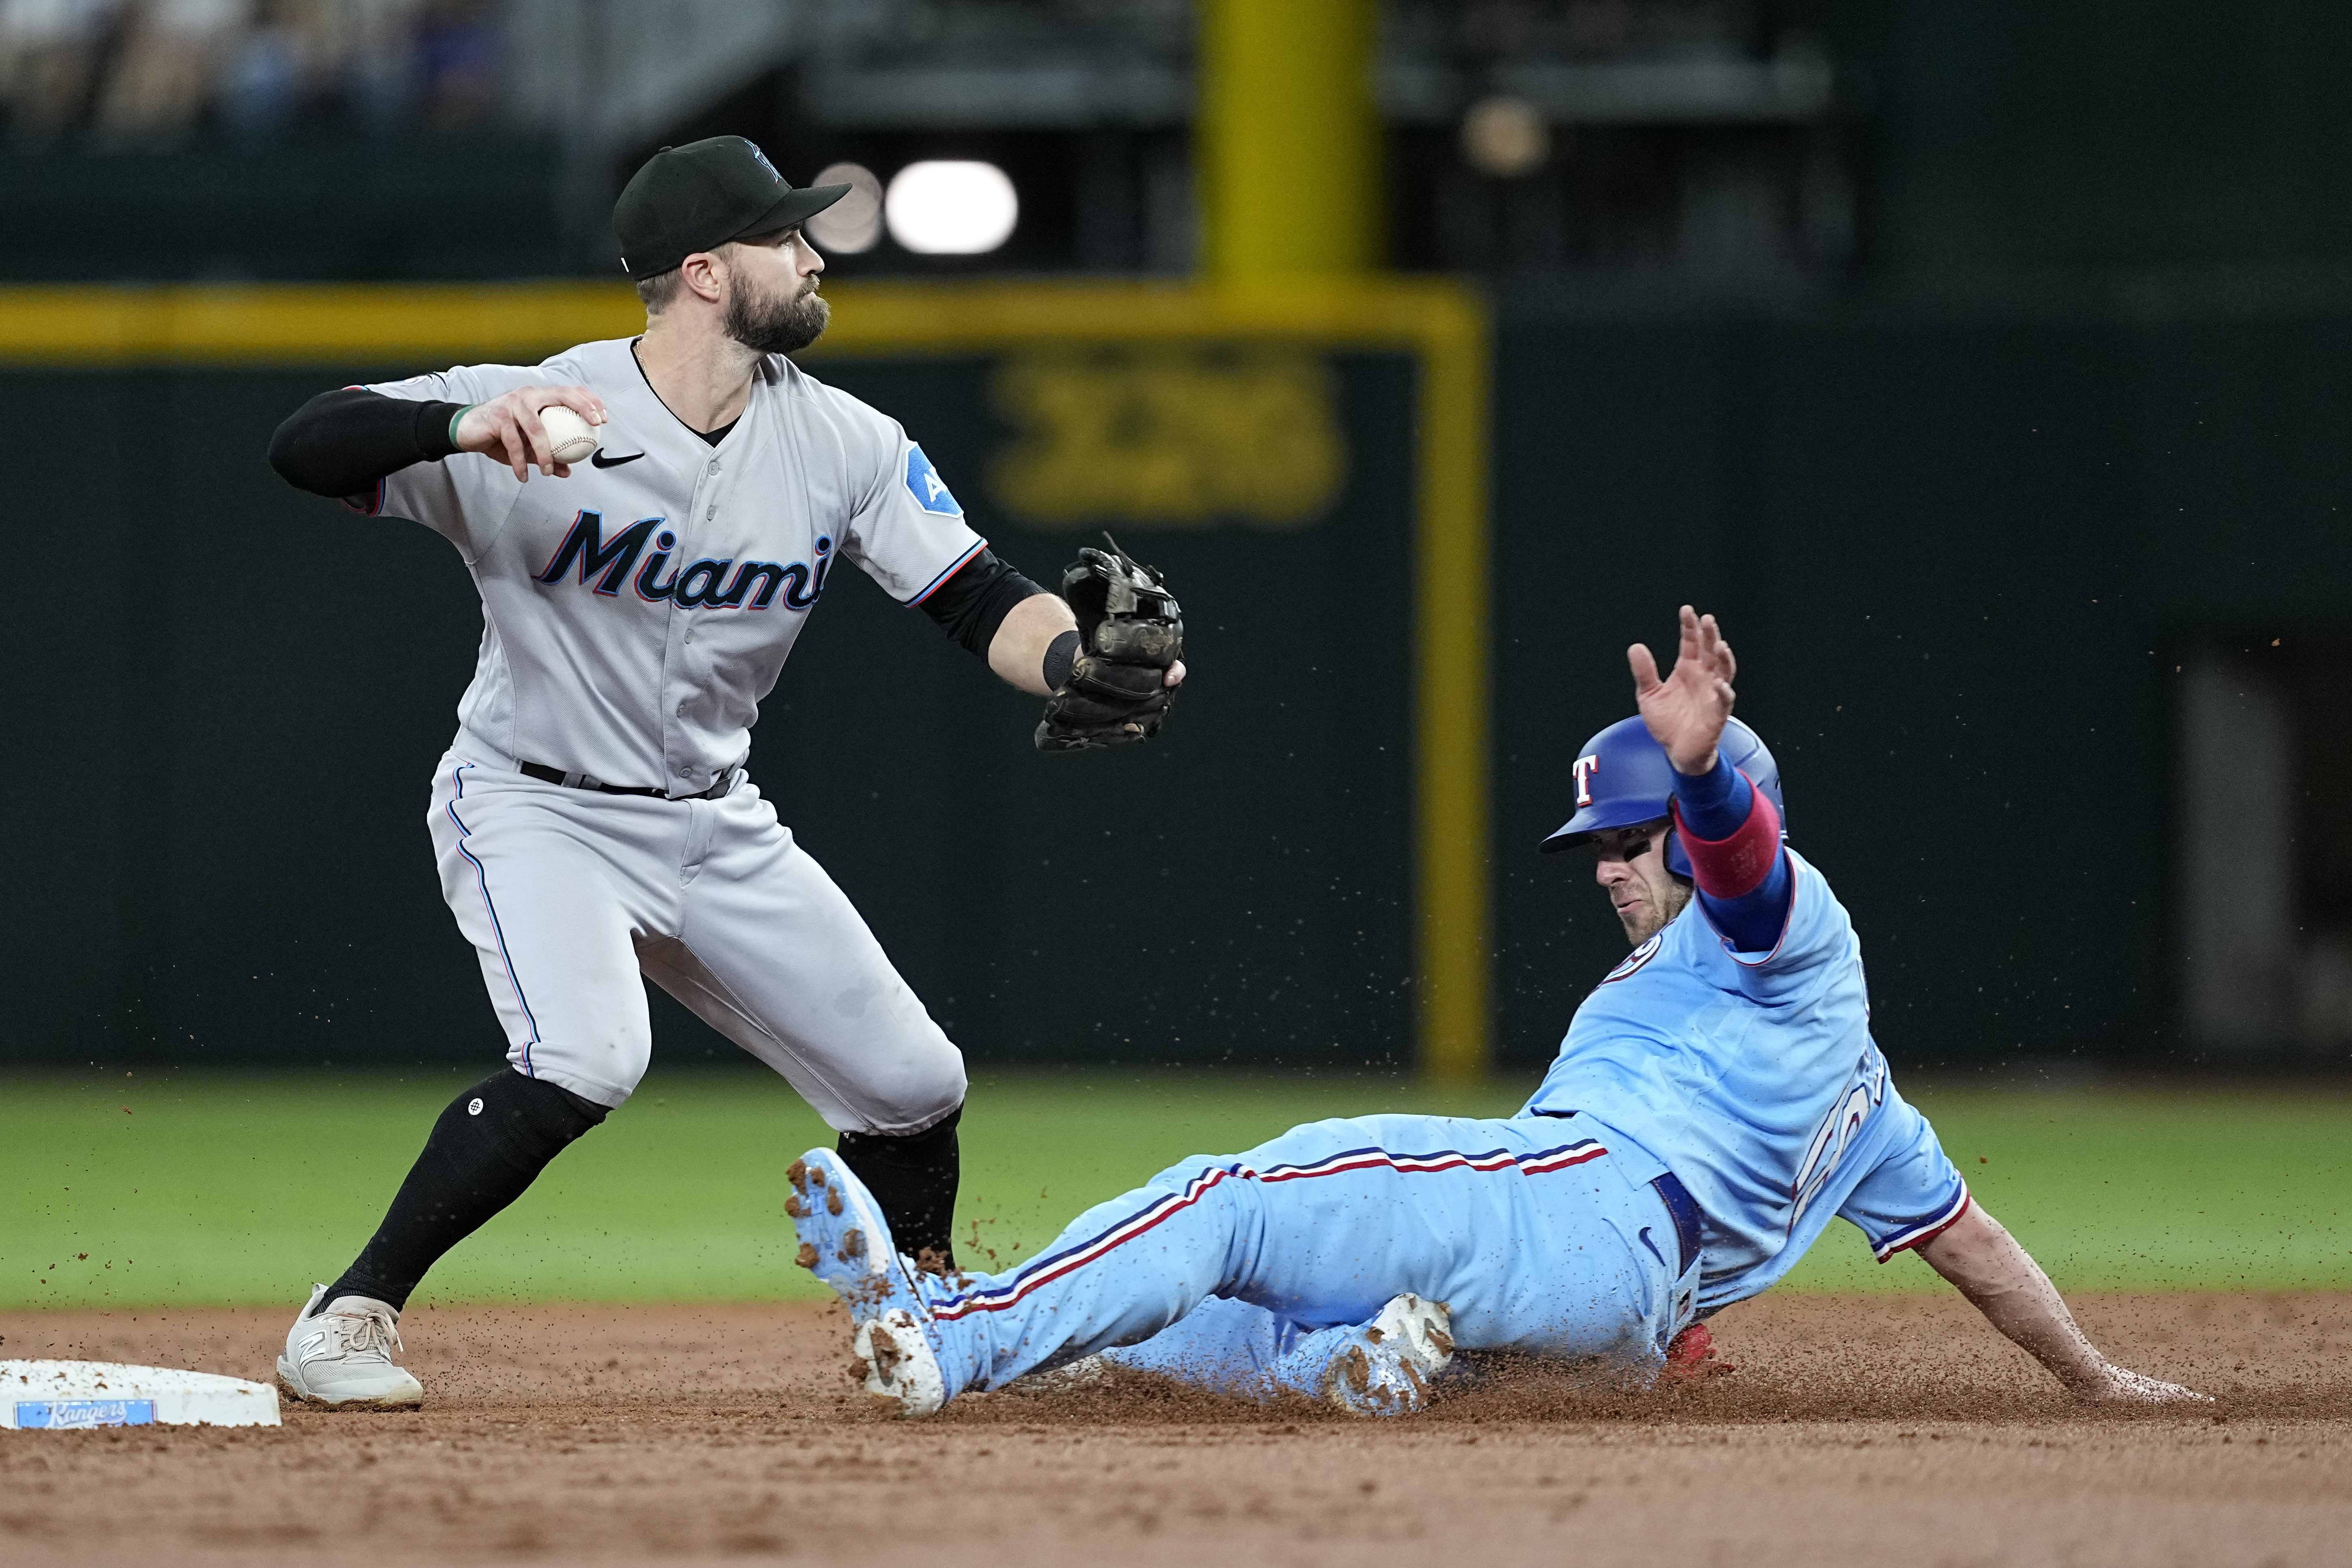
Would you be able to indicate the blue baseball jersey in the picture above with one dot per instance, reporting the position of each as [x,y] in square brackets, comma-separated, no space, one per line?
[1752,1077]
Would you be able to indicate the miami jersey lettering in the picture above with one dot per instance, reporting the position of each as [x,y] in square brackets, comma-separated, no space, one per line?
[753,583]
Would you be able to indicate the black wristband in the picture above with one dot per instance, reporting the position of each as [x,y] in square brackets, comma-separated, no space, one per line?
[1061,658]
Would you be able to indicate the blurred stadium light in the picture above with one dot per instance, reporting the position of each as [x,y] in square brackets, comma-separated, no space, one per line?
[951,206]
[1505,138]
[854,223]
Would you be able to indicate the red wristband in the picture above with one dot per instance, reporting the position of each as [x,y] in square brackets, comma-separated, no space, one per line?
[1729,868]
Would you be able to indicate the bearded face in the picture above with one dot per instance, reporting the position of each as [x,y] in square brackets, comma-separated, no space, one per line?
[1630,866]
[775,320]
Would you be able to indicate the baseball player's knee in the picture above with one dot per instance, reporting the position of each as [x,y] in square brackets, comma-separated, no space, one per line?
[607,1072]
[912,1094]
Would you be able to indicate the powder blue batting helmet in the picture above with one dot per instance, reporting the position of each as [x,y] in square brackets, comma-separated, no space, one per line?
[1622,780]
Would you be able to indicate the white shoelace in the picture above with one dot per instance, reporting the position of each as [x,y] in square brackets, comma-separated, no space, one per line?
[368,1335]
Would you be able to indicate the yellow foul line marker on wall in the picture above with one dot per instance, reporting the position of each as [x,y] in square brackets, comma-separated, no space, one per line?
[1444,325]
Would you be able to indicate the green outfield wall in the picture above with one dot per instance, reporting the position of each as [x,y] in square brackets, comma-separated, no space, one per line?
[1959,550]
[240,870]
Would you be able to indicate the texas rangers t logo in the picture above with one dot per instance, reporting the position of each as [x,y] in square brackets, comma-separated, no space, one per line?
[1586,766]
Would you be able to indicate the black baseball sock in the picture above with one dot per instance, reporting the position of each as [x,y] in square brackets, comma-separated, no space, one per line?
[914,1180]
[490,1144]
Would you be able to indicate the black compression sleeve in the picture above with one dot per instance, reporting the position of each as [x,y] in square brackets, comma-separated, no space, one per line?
[341,443]
[973,602]
[914,1179]
[484,1151]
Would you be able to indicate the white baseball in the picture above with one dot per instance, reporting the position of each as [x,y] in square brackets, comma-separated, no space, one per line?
[569,438]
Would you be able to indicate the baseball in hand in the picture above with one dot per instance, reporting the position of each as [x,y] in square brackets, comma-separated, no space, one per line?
[569,438]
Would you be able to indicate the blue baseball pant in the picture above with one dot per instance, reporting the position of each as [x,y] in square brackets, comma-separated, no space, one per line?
[1249,1270]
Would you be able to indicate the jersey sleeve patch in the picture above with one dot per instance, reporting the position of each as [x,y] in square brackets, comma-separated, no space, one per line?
[929,491]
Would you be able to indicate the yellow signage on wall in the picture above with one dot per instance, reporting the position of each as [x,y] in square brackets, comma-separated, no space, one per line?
[1172,435]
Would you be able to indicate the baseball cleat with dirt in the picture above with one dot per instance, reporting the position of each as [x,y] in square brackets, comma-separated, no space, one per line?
[902,1367]
[342,1358]
[846,1243]
[1387,1368]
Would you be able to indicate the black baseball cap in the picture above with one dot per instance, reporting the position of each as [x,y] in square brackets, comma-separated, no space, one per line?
[703,195]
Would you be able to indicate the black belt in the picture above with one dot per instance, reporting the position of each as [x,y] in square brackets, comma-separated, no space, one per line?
[1679,1204]
[546,775]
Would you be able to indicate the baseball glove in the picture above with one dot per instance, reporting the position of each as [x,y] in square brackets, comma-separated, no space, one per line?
[1130,632]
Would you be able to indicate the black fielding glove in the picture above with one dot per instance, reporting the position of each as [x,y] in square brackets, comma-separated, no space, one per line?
[1130,632]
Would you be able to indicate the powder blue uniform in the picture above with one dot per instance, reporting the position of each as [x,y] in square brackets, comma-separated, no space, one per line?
[1751,1077]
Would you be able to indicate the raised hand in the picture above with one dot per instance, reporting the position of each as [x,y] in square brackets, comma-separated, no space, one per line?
[1685,712]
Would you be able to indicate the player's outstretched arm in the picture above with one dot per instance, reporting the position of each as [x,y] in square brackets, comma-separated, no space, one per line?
[1019,652]
[1013,622]
[1106,684]
[2001,1281]
[342,442]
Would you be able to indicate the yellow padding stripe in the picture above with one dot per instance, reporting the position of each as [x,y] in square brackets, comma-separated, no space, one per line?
[341,324]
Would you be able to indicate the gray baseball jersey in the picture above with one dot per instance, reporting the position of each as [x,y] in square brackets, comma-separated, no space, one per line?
[634,615]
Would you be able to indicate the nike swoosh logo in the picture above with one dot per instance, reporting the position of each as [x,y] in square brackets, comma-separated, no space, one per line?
[602,462]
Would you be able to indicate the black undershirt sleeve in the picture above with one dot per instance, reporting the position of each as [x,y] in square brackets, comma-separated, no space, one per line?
[971,606]
[341,443]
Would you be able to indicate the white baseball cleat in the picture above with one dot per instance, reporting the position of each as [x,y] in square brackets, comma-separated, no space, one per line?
[1388,1369]
[846,1242]
[902,1369]
[342,1357]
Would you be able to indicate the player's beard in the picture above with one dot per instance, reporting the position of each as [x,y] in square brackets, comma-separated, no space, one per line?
[1659,906]
[776,323]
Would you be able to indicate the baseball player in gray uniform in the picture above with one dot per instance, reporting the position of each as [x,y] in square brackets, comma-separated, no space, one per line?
[593,819]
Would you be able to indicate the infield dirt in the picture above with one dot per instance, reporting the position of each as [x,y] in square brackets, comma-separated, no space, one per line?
[1889,1430]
